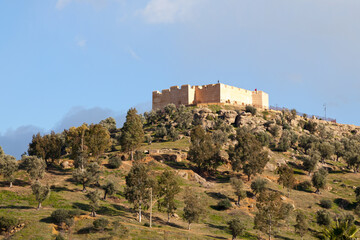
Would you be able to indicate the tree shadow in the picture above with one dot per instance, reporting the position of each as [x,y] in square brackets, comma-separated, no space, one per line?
[344,204]
[59,171]
[82,206]
[16,182]
[216,195]
[61,189]
[220,227]
[250,194]
[103,210]
[282,237]
[47,220]
[215,237]
[295,165]
[171,224]
[85,230]
[15,207]
[176,165]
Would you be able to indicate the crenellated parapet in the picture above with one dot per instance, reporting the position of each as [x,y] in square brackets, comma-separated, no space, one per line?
[209,94]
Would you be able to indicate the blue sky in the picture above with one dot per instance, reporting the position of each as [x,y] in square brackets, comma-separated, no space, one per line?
[64,62]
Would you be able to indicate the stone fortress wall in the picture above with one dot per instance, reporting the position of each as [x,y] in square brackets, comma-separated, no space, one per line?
[209,94]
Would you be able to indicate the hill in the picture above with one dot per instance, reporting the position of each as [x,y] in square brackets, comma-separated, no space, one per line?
[286,138]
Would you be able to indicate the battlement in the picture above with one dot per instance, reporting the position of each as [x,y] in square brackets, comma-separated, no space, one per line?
[209,94]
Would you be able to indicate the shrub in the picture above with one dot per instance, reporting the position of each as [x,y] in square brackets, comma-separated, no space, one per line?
[304,186]
[258,185]
[8,222]
[119,230]
[323,218]
[346,218]
[326,203]
[64,216]
[148,139]
[250,109]
[60,237]
[274,130]
[100,224]
[311,126]
[236,227]
[224,204]
[264,138]
[357,210]
[115,161]
[210,118]
[139,155]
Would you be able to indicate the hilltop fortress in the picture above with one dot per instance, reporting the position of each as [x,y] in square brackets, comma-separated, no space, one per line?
[219,93]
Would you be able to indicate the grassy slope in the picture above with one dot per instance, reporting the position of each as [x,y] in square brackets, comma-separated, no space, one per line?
[19,202]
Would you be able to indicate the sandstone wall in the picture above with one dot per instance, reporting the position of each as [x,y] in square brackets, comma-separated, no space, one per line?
[207,94]
[260,99]
[178,96]
[234,95]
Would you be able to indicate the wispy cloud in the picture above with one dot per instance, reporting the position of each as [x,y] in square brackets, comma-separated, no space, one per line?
[133,54]
[60,4]
[168,11]
[80,41]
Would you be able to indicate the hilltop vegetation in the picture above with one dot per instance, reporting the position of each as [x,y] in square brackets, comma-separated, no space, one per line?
[217,172]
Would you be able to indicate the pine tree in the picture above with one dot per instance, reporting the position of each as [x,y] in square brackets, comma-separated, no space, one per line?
[132,132]
[168,189]
[203,151]
[247,154]
[97,140]
[286,177]
[193,209]
[271,210]
[137,187]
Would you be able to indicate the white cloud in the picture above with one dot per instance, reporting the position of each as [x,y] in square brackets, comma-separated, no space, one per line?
[81,42]
[60,4]
[168,11]
[134,54]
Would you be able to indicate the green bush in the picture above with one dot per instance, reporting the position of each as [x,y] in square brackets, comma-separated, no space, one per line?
[250,109]
[65,216]
[258,185]
[323,218]
[100,224]
[119,230]
[139,155]
[115,161]
[210,118]
[326,203]
[224,204]
[8,222]
[60,237]
[304,186]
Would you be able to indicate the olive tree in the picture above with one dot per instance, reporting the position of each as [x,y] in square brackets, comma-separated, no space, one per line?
[41,192]
[8,166]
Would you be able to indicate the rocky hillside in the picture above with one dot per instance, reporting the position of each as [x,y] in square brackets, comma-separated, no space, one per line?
[305,146]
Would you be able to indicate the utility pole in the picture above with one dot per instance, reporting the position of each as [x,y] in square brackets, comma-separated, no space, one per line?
[325,110]
[150,207]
